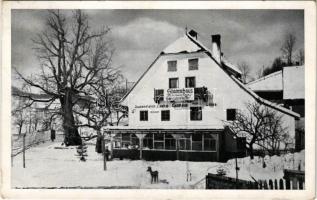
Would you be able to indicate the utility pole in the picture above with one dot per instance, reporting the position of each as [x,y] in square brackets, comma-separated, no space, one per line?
[237,169]
[104,152]
[24,150]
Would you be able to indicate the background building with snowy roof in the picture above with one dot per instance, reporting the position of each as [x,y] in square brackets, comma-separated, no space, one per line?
[179,106]
[286,88]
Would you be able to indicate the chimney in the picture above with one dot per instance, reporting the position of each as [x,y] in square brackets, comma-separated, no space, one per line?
[193,33]
[216,47]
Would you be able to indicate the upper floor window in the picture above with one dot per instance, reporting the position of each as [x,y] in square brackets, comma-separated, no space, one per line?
[165,115]
[173,83]
[231,114]
[190,82]
[195,113]
[158,95]
[172,66]
[193,64]
[143,115]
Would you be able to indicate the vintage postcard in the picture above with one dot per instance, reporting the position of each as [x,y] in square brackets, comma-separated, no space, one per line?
[158,100]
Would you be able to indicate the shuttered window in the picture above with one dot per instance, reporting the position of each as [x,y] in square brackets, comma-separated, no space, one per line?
[143,115]
[172,66]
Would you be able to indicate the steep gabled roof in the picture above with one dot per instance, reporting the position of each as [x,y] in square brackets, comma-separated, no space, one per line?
[264,101]
[290,80]
[189,48]
[271,82]
[185,44]
[230,65]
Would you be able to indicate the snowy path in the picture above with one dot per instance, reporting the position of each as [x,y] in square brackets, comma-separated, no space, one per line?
[47,166]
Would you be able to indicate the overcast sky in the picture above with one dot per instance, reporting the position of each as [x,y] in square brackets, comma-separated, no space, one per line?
[253,36]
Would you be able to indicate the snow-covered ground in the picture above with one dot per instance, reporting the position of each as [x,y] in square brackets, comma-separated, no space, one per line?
[48,166]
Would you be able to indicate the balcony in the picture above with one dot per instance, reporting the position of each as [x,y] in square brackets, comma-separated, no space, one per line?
[181,95]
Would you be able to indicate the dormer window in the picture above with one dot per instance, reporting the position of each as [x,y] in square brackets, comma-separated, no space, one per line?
[172,66]
[193,64]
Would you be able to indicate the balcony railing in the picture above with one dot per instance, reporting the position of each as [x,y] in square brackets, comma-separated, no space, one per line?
[200,93]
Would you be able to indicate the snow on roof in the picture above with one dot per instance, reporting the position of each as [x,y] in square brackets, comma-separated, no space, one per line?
[187,43]
[290,80]
[271,82]
[294,82]
[230,65]
[183,44]
[265,102]
[223,59]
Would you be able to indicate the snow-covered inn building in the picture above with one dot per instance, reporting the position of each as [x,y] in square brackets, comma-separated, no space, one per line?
[179,107]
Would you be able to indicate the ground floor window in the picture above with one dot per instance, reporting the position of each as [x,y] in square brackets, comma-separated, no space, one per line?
[184,142]
[170,142]
[210,142]
[126,140]
[135,141]
[197,141]
[148,141]
[158,141]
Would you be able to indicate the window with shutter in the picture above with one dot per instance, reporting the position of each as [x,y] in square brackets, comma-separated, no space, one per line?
[172,66]
[143,115]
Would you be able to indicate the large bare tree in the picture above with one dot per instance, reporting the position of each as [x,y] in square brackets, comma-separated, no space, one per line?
[288,47]
[72,58]
[260,125]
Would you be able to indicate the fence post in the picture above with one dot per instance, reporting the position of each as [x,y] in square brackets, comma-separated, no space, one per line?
[275,184]
[260,184]
[301,184]
[265,185]
[294,184]
[24,150]
[288,184]
[104,153]
[281,184]
[271,184]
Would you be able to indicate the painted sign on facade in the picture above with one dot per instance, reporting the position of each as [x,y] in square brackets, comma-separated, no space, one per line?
[176,94]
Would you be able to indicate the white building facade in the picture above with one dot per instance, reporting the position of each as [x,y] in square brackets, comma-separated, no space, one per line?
[179,107]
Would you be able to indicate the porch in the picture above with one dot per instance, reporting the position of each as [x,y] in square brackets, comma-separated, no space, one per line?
[154,144]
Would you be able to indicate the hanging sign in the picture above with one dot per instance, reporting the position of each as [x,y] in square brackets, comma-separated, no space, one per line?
[177,94]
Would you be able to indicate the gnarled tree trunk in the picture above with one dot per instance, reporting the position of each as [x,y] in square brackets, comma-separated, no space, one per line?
[72,136]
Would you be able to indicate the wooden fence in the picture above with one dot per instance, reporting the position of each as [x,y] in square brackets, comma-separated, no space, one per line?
[292,180]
